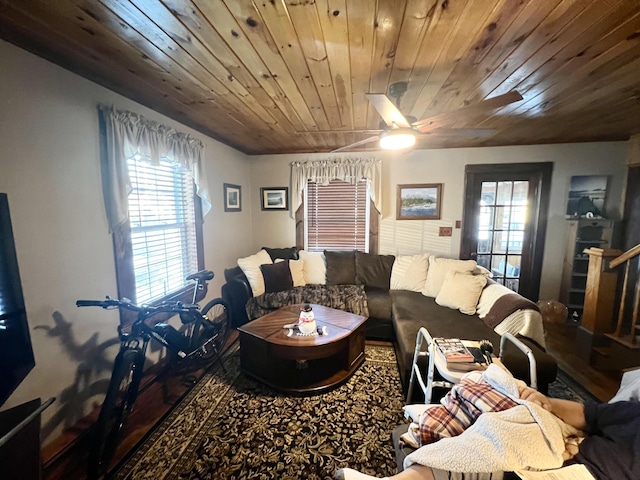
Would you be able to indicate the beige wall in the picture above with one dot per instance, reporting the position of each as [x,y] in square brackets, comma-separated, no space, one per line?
[49,168]
[447,167]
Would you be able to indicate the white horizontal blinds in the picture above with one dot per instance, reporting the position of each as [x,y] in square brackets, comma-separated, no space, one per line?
[337,216]
[163,233]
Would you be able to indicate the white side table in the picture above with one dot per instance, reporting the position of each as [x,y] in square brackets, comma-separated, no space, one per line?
[451,377]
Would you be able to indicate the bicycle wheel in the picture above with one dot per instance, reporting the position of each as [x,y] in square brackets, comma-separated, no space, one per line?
[214,329]
[121,395]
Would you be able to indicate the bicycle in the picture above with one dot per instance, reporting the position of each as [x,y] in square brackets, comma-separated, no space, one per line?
[206,334]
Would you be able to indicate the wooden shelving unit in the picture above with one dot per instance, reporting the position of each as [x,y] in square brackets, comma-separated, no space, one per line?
[582,233]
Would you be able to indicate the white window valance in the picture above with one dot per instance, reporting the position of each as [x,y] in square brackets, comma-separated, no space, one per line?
[128,135]
[349,170]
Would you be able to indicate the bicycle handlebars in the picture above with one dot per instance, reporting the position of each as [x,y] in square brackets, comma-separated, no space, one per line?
[173,307]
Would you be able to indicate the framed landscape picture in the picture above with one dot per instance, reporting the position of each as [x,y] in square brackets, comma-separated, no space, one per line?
[275,198]
[232,198]
[419,201]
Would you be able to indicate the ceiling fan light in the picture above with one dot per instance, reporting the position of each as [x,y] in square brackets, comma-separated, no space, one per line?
[397,139]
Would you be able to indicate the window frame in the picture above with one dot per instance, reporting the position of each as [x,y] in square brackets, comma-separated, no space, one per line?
[125,276]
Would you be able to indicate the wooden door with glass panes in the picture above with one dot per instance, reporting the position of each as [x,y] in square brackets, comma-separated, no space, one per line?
[501,229]
[504,222]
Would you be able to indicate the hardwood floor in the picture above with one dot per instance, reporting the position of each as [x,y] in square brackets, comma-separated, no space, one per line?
[161,394]
[560,339]
[65,458]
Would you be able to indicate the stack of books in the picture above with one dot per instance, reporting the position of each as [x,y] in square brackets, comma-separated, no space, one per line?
[457,356]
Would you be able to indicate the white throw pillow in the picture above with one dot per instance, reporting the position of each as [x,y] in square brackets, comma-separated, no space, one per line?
[251,268]
[297,272]
[461,291]
[480,270]
[409,272]
[438,269]
[315,268]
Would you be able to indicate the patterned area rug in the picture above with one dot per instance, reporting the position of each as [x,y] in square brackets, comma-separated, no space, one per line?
[232,427]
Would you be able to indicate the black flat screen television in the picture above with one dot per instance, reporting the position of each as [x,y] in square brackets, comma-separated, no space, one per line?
[16,352]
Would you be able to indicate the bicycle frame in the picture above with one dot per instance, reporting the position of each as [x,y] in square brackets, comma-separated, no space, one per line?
[129,363]
[140,329]
[169,337]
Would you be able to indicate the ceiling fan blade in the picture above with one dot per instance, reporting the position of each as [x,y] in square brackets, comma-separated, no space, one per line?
[476,108]
[460,132]
[387,110]
[333,132]
[357,144]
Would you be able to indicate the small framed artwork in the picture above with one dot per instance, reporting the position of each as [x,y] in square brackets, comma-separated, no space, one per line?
[419,201]
[275,198]
[232,198]
[587,194]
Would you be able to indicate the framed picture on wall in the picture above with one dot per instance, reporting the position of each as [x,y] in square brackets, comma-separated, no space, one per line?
[274,198]
[587,195]
[419,201]
[232,198]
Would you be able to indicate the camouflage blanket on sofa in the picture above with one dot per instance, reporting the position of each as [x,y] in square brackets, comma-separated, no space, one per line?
[350,298]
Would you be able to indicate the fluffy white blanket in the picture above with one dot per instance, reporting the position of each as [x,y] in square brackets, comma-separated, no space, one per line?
[523,437]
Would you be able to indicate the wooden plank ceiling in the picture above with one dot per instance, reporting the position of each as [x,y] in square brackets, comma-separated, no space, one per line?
[290,76]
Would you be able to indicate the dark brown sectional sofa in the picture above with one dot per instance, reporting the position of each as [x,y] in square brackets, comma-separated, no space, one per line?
[357,281]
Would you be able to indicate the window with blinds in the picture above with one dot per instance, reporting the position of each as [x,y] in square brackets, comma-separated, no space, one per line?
[163,228]
[337,216]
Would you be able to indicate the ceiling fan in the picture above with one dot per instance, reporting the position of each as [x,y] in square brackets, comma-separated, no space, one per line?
[398,132]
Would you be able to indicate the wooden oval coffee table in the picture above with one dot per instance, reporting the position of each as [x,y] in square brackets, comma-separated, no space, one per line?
[303,364]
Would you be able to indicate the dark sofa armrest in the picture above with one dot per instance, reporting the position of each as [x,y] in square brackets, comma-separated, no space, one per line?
[236,292]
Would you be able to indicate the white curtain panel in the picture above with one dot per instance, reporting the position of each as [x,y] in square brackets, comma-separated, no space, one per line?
[129,134]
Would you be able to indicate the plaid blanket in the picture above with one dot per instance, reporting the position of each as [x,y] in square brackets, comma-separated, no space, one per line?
[460,408]
[350,298]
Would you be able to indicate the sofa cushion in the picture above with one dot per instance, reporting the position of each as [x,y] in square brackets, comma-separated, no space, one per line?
[277,276]
[297,272]
[438,269]
[409,272]
[251,268]
[290,253]
[461,291]
[412,310]
[373,270]
[341,267]
[314,267]
[378,302]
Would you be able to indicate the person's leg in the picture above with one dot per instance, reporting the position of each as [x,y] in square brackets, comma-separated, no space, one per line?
[414,472]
